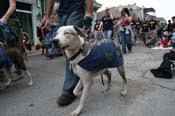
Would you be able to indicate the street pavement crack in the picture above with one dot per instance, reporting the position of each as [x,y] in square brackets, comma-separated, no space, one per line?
[143,74]
[171,89]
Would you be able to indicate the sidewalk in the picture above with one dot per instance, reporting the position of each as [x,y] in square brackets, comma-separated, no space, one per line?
[34,51]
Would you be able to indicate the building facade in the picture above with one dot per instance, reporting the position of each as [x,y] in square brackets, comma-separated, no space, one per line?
[30,13]
[27,12]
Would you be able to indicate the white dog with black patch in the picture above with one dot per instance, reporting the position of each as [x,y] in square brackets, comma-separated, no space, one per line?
[88,61]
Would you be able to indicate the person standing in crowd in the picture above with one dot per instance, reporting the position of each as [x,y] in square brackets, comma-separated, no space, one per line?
[70,12]
[107,24]
[152,27]
[125,30]
[138,25]
[173,24]
[97,25]
[173,35]
[13,35]
[98,32]
[152,32]
[133,26]
[169,26]
[159,30]
[144,31]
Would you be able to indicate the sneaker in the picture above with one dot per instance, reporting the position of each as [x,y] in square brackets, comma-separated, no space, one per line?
[65,99]
[165,76]
[156,70]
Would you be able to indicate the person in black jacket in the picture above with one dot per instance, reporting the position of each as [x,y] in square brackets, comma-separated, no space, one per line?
[164,70]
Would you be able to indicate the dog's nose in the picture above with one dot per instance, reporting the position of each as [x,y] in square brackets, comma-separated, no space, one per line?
[55,42]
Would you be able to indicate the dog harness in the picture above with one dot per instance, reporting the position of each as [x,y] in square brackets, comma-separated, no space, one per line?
[103,55]
[5,61]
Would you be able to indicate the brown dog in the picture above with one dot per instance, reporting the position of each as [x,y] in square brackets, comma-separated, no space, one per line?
[17,56]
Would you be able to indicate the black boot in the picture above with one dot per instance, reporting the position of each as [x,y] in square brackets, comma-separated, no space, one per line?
[163,73]
[66,98]
[155,71]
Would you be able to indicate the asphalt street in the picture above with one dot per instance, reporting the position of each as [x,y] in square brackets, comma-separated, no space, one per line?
[147,96]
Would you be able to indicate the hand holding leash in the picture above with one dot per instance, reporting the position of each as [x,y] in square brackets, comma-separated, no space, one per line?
[88,21]
[46,23]
[3,20]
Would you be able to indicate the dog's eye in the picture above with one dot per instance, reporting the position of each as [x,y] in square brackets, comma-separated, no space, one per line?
[69,33]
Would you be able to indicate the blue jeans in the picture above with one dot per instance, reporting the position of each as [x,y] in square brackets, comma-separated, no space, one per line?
[53,51]
[76,18]
[108,34]
[126,40]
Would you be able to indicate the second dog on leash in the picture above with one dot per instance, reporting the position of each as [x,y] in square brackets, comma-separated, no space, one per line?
[10,57]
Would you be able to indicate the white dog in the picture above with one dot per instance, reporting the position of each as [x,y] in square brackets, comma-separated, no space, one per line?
[72,40]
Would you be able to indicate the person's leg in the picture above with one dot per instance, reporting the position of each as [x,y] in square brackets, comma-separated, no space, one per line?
[105,33]
[76,18]
[123,42]
[144,37]
[109,34]
[129,42]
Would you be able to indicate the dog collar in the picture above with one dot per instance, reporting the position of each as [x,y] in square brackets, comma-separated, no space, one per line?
[74,56]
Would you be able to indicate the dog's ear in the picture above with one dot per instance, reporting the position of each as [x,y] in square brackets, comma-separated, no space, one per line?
[80,32]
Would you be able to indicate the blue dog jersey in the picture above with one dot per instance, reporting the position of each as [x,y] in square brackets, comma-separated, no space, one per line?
[5,61]
[102,55]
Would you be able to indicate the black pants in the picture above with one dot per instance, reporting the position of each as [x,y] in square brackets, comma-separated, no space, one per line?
[166,64]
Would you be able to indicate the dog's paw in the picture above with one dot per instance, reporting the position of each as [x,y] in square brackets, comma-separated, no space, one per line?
[8,84]
[123,93]
[74,113]
[30,83]
[76,92]
[28,66]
